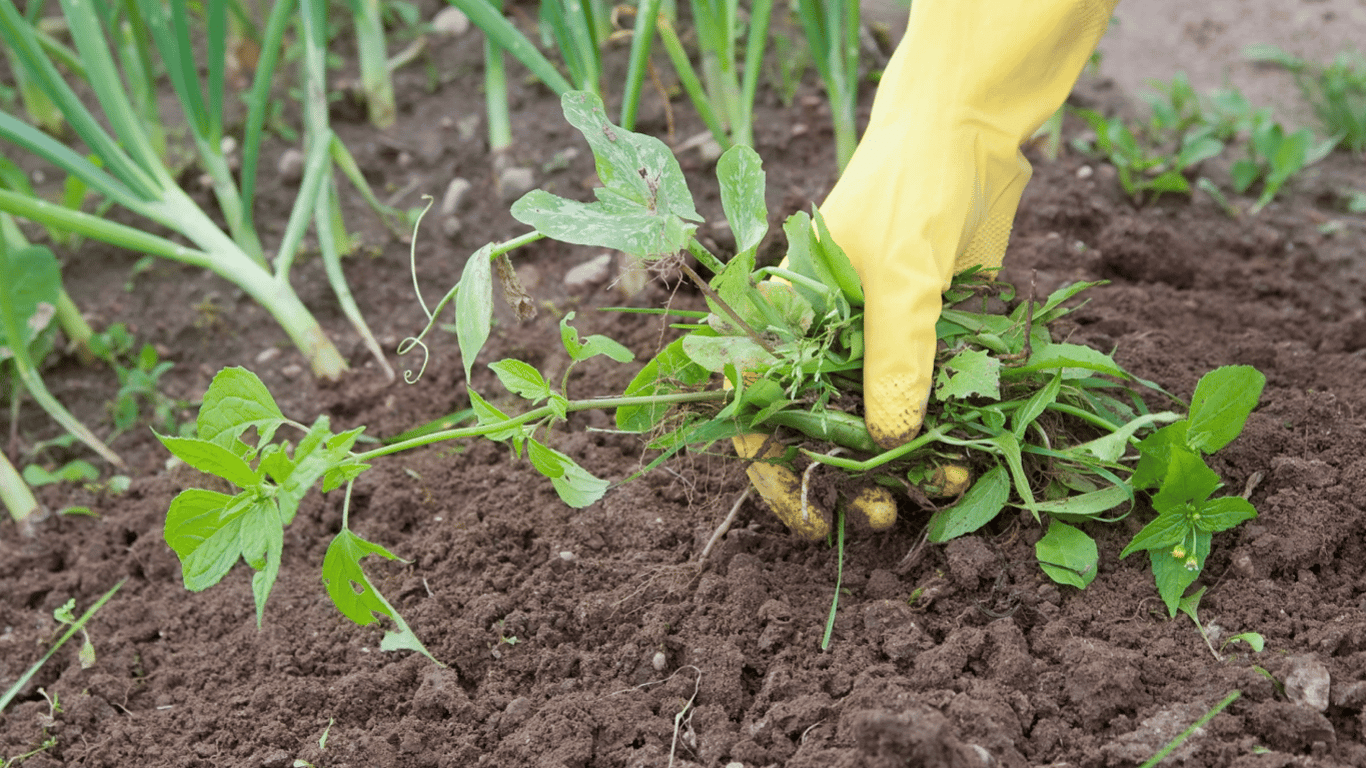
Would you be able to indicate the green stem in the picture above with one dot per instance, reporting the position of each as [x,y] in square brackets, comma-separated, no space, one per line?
[374,63]
[1198,724]
[939,433]
[496,93]
[641,38]
[541,413]
[705,257]
[687,76]
[15,493]
[77,330]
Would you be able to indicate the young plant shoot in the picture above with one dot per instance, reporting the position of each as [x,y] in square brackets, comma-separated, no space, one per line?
[1048,427]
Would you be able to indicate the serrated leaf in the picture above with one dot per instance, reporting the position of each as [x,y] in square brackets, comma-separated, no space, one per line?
[1224,513]
[669,371]
[342,474]
[1189,481]
[317,454]
[970,372]
[592,346]
[575,485]
[356,597]
[236,401]
[474,306]
[521,379]
[211,458]
[488,414]
[194,516]
[1222,402]
[1154,454]
[262,541]
[741,175]
[210,561]
[979,506]
[1067,555]
[1162,534]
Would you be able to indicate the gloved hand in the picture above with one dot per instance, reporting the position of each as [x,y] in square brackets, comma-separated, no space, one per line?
[932,190]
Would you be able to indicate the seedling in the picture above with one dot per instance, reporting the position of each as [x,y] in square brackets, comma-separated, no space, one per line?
[1190,605]
[1274,156]
[63,615]
[1337,92]
[1142,168]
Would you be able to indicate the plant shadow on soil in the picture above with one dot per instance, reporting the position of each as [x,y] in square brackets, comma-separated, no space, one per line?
[614,626]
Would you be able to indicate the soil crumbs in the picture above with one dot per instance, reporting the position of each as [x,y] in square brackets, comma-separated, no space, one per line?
[591,638]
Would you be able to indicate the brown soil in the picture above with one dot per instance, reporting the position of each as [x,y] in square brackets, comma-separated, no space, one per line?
[616,629]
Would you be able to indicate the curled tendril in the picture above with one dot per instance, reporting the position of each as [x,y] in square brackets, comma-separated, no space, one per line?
[412,257]
[404,347]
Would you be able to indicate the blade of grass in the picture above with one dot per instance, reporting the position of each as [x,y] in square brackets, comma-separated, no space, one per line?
[258,101]
[642,36]
[1181,739]
[687,77]
[839,579]
[488,16]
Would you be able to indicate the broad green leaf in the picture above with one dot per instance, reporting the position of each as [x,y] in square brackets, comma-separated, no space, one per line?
[669,371]
[974,372]
[741,175]
[30,284]
[1112,446]
[1173,574]
[802,252]
[716,352]
[1035,405]
[1166,531]
[194,516]
[521,379]
[796,312]
[1074,360]
[488,414]
[356,597]
[592,346]
[211,458]
[573,483]
[1221,404]
[846,277]
[617,224]
[262,541]
[979,506]
[1254,640]
[73,472]
[1223,513]
[1189,481]
[637,167]
[474,306]
[1084,506]
[1190,604]
[1154,454]
[237,400]
[1067,555]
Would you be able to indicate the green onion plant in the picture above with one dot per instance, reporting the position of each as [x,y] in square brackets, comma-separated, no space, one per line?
[127,170]
[375,81]
[832,33]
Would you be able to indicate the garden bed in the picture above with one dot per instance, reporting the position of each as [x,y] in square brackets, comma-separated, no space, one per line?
[577,637]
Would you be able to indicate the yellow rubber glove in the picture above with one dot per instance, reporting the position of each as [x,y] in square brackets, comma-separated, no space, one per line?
[932,190]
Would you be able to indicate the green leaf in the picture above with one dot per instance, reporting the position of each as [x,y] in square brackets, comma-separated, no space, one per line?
[592,346]
[716,352]
[1088,505]
[1035,405]
[741,175]
[979,506]
[1222,402]
[846,277]
[1190,605]
[1162,534]
[74,471]
[796,312]
[1112,446]
[1154,454]
[637,167]
[1243,173]
[573,483]
[802,251]
[1223,513]
[669,371]
[236,401]
[975,372]
[1254,640]
[211,458]
[1189,482]
[488,414]
[1067,555]
[474,306]
[1173,576]
[521,379]
[30,284]
[262,541]
[356,597]
[1074,360]
[608,223]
